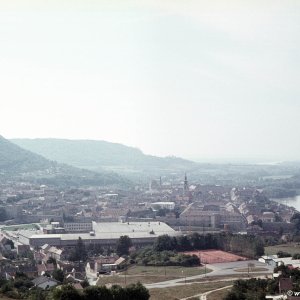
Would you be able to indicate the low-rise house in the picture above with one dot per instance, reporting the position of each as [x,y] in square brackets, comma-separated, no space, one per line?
[44,268]
[77,286]
[44,282]
[75,277]
[275,261]
[52,252]
[268,217]
[268,259]
[57,254]
[285,284]
[114,266]
[102,264]
[21,249]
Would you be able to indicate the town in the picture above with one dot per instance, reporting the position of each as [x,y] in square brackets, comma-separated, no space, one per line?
[90,236]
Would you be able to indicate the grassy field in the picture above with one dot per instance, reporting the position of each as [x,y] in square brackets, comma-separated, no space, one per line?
[251,270]
[218,295]
[172,270]
[189,290]
[22,226]
[291,248]
[151,274]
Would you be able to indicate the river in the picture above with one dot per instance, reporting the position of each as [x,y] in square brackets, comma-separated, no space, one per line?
[291,201]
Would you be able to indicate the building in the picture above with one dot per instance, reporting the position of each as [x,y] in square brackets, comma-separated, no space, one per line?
[212,216]
[44,282]
[104,234]
[163,205]
[78,226]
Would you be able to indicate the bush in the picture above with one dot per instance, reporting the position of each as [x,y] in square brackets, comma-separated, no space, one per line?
[282,254]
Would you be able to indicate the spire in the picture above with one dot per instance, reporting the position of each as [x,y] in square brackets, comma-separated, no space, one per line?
[186,184]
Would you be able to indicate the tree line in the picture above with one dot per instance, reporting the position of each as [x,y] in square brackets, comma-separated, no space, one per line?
[259,288]
[21,287]
[244,245]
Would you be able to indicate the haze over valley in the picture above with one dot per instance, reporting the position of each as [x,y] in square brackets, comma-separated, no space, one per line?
[149,150]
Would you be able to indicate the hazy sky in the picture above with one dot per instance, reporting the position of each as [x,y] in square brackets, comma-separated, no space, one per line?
[198,79]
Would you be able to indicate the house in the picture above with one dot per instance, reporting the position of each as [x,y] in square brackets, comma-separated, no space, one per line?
[53,252]
[45,248]
[268,259]
[57,254]
[45,268]
[21,249]
[102,264]
[92,270]
[285,284]
[44,282]
[268,217]
[77,286]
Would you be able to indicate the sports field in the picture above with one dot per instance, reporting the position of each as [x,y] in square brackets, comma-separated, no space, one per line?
[215,256]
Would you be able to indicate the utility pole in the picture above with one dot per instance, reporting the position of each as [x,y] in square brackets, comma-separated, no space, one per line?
[125,276]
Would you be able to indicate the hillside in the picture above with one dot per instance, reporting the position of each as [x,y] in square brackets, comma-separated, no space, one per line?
[96,155]
[14,159]
[16,162]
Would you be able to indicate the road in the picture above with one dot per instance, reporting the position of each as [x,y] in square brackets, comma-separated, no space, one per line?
[219,269]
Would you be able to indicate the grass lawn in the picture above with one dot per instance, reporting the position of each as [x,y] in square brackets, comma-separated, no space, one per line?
[184,291]
[173,271]
[291,248]
[227,278]
[146,274]
[218,294]
[3,297]
[251,270]
[22,226]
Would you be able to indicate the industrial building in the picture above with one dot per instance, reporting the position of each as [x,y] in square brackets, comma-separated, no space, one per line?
[104,234]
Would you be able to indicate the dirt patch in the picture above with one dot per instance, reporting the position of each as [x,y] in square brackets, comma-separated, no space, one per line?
[216,256]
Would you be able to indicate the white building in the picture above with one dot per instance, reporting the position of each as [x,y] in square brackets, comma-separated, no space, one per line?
[105,234]
[78,226]
[166,205]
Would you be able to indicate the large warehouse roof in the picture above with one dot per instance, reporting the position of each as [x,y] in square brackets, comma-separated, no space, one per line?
[113,230]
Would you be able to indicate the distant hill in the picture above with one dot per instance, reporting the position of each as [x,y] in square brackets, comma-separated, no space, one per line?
[18,162]
[99,155]
[14,159]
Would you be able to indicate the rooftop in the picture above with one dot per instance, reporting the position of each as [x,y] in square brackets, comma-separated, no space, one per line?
[113,230]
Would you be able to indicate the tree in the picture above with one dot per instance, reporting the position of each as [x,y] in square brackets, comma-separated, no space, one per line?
[58,275]
[11,243]
[123,245]
[183,243]
[137,292]
[97,293]
[118,293]
[161,212]
[164,242]
[66,292]
[3,215]
[79,253]
[234,296]
[52,260]
[37,294]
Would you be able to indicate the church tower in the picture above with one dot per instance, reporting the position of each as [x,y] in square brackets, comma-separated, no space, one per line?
[186,184]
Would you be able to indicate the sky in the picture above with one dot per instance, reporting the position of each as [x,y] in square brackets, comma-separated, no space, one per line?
[204,80]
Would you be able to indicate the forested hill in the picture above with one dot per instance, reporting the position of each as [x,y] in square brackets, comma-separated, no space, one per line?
[14,159]
[93,154]
[16,162]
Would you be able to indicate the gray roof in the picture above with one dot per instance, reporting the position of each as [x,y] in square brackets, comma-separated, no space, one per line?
[113,230]
[43,279]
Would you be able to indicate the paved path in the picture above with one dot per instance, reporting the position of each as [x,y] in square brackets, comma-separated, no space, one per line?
[202,296]
[220,269]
